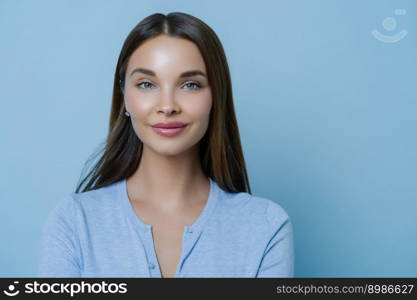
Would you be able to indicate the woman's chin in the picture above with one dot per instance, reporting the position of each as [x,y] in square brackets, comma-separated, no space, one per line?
[168,150]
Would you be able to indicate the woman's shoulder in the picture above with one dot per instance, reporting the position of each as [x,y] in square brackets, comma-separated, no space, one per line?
[105,197]
[89,202]
[255,208]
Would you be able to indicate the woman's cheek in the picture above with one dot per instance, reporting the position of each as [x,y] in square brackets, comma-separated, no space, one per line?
[204,109]
[139,107]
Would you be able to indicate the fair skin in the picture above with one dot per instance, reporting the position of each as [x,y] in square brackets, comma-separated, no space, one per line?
[169,189]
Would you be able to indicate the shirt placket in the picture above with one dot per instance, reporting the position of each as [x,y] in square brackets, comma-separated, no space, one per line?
[189,238]
[152,261]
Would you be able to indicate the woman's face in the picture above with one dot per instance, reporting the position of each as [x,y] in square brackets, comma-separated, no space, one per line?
[158,89]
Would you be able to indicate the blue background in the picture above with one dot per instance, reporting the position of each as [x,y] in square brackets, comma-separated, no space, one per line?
[327,115]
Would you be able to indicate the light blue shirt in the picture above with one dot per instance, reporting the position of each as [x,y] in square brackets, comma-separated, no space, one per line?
[98,234]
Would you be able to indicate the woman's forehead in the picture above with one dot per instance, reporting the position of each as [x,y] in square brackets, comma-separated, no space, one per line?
[167,53]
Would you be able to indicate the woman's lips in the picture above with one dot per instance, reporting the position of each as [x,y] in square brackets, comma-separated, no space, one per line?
[168,131]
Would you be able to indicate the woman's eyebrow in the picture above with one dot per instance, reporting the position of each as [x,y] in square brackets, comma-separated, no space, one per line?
[184,74]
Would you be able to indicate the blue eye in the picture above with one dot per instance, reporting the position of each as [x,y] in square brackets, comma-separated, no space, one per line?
[143,83]
[197,86]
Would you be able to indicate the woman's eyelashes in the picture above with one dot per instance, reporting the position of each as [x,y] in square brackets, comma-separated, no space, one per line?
[191,85]
[144,84]
[195,84]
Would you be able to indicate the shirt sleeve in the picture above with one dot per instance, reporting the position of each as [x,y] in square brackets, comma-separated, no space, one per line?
[278,257]
[58,246]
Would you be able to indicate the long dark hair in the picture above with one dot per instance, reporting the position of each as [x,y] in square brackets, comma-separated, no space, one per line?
[220,149]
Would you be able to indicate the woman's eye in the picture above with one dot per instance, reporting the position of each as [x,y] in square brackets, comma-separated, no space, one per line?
[195,84]
[145,82]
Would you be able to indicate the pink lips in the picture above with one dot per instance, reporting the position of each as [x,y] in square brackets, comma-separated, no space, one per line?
[169,129]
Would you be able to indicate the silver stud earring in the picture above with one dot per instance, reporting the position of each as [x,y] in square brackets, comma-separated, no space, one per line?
[127,114]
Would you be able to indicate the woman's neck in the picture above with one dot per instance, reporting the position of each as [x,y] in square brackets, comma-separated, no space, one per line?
[168,182]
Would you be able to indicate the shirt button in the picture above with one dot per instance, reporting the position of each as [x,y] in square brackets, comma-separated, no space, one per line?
[151,266]
[190,230]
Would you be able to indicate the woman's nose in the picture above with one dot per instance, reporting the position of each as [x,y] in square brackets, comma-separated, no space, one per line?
[167,109]
[168,104]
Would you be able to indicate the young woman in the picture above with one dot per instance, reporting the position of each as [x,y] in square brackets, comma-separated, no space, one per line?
[170,196]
